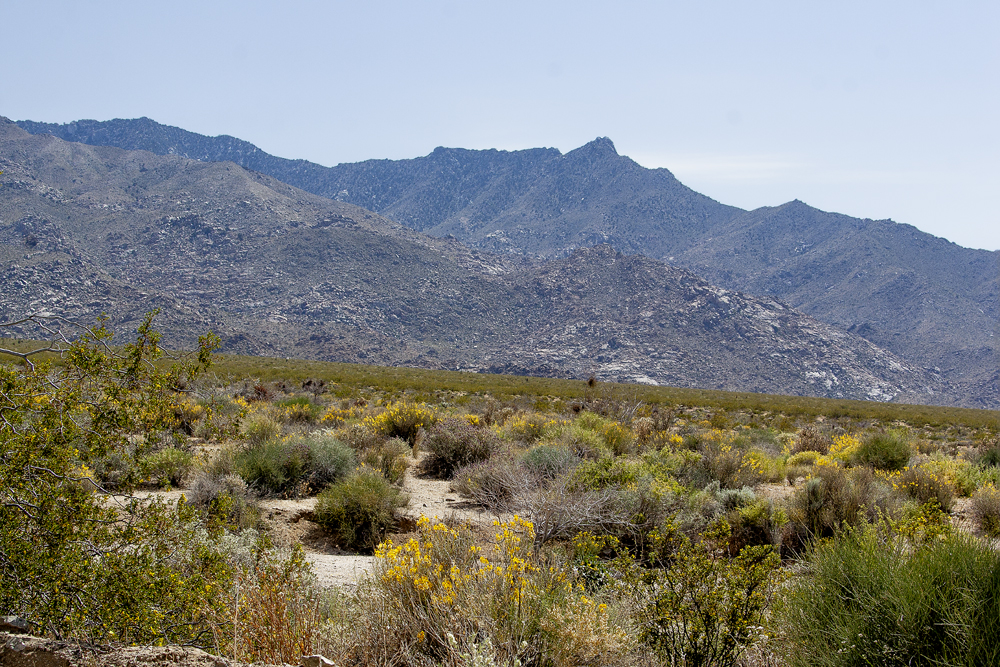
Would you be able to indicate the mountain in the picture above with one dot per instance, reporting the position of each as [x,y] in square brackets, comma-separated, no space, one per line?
[925,299]
[276,270]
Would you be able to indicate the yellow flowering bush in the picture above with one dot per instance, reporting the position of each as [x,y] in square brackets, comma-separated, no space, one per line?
[925,485]
[401,420]
[842,451]
[529,428]
[335,416]
[441,583]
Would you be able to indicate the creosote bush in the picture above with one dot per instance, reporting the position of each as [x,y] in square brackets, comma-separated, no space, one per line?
[706,608]
[72,562]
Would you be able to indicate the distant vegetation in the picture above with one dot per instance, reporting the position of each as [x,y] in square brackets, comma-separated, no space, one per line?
[635,524]
[346,378]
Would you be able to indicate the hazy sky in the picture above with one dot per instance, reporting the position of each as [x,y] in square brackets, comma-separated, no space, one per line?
[874,109]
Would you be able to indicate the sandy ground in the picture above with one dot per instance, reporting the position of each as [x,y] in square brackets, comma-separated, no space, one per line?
[290,521]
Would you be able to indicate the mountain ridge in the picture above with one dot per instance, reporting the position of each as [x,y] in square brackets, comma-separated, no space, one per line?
[285,273]
[924,298]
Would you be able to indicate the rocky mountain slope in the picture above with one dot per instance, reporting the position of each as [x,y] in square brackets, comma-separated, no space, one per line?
[930,301]
[275,270]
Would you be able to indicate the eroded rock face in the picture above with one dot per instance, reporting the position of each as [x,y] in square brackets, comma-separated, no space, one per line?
[27,651]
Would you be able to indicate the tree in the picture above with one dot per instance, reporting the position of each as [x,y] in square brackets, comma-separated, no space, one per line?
[73,558]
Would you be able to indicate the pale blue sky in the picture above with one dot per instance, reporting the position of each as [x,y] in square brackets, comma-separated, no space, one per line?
[874,109]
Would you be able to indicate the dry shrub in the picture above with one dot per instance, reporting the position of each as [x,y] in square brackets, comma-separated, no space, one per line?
[582,633]
[812,440]
[925,486]
[279,614]
[985,510]
[493,483]
[225,499]
[561,511]
[360,437]
[832,500]
[391,458]
[454,443]
[732,467]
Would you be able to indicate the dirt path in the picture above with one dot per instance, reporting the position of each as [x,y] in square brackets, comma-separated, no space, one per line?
[290,522]
[434,498]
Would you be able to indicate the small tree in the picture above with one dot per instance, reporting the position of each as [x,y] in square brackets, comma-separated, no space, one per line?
[74,561]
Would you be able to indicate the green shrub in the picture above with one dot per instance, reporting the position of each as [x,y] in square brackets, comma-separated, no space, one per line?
[274,466]
[804,458]
[985,510]
[391,458]
[454,443]
[869,598]
[608,472]
[793,473]
[884,450]
[167,467]
[988,454]
[584,443]
[330,460]
[295,464]
[617,438]
[550,461]
[360,509]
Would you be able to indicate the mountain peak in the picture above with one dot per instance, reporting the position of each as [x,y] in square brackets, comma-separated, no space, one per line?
[601,146]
